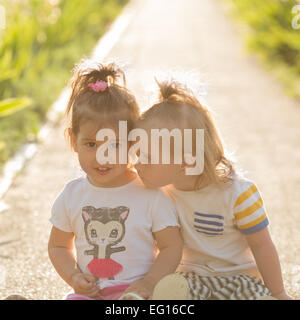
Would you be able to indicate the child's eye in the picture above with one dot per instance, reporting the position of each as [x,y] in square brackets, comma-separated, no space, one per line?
[91,144]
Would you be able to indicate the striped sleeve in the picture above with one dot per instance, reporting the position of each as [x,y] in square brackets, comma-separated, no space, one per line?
[249,212]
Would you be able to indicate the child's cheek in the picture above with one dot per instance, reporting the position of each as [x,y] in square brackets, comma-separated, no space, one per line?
[160,175]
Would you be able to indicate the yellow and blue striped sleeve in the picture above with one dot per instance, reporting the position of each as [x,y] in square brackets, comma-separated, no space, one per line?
[249,212]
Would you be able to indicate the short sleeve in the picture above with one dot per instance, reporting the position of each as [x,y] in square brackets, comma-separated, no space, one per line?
[249,211]
[59,213]
[163,213]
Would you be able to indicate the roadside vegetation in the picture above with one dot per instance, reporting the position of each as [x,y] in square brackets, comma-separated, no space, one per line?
[39,45]
[272,31]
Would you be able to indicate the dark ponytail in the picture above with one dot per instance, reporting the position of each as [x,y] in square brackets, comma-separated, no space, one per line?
[89,71]
[113,103]
[174,91]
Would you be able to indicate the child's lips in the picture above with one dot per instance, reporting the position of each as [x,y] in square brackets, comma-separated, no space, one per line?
[103,170]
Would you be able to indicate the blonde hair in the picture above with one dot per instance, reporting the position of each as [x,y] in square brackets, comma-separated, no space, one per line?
[178,105]
[111,105]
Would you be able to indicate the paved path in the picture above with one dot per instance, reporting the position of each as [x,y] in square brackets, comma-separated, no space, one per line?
[258,122]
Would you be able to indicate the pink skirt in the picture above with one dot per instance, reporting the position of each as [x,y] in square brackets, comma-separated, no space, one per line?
[109,293]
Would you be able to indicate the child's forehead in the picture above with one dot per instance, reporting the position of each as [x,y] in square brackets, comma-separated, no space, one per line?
[89,129]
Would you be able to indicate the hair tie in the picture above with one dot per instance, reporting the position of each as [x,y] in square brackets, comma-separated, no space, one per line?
[98,86]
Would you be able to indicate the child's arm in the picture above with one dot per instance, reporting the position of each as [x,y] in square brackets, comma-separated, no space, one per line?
[267,261]
[60,248]
[170,245]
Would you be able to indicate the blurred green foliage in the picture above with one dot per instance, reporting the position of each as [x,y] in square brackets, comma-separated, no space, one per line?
[269,33]
[38,48]
[11,106]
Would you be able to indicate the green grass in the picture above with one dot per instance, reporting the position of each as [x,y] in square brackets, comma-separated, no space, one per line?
[38,48]
[267,28]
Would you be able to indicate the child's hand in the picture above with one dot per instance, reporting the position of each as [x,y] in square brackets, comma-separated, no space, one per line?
[85,284]
[143,288]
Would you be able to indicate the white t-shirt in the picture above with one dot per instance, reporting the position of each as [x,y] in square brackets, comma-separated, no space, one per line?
[113,227]
[213,223]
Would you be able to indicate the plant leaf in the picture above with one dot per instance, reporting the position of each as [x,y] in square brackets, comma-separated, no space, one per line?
[10,106]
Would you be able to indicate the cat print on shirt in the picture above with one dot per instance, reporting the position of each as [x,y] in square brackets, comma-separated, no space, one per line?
[104,229]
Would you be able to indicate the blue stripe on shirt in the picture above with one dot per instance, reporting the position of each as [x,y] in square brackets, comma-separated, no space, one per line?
[209,229]
[209,222]
[256,228]
[209,215]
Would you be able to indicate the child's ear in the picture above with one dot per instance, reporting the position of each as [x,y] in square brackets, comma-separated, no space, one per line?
[73,139]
